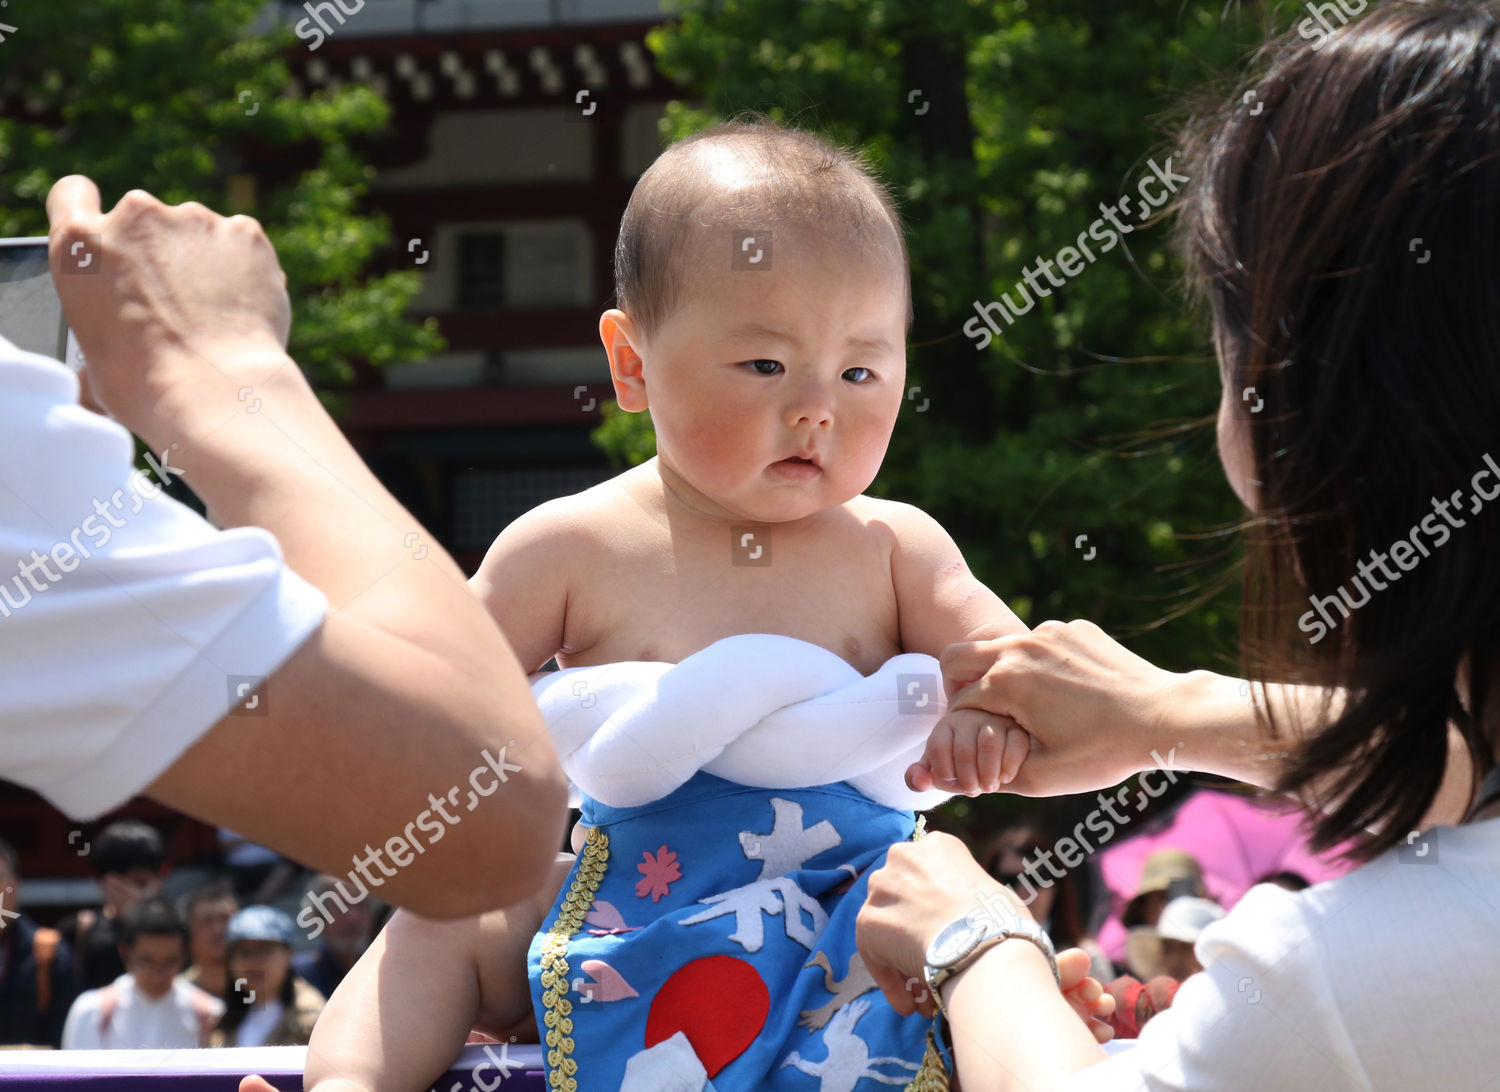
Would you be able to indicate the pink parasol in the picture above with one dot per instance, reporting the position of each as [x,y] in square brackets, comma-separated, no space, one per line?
[1234,839]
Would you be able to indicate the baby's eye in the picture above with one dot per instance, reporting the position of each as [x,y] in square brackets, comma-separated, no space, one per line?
[865,374]
[764,367]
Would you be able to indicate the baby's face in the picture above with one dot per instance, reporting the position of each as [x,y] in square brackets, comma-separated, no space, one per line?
[758,367]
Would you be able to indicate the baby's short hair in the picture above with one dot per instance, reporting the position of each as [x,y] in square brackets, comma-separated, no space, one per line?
[745,174]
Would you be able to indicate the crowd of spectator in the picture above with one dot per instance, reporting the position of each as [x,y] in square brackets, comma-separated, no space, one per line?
[225,964]
[142,971]
[1164,917]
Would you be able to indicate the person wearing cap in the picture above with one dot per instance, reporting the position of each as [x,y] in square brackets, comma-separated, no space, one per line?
[1167,874]
[1167,947]
[1161,954]
[266,1004]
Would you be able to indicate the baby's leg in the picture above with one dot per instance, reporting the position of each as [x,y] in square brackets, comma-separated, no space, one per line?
[504,937]
[402,1013]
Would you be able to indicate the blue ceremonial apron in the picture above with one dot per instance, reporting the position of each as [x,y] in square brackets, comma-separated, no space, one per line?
[715,927]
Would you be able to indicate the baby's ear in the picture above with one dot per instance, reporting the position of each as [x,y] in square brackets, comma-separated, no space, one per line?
[625,365]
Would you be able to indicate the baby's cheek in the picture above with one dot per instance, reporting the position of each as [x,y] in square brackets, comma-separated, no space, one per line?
[867,446]
[725,447]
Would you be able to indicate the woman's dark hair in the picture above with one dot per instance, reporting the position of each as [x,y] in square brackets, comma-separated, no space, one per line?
[1342,223]
[236,1004]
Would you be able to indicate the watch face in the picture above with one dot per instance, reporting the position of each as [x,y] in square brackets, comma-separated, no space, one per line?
[955,941]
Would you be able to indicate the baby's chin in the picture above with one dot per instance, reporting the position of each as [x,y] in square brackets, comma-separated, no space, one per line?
[778,502]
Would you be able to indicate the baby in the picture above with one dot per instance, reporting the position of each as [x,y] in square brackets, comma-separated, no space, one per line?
[745,642]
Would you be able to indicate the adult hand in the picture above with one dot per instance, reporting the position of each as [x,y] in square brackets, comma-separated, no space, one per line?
[407,685]
[922,887]
[200,292]
[1094,710]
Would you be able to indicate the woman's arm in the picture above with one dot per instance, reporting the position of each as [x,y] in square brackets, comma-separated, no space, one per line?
[1011,1026]
[1098,713]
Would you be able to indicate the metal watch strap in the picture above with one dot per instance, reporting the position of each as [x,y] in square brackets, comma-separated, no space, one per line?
[936,976]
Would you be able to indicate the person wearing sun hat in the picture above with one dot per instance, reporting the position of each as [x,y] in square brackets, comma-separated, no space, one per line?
[1167,949]
[266,1004]
[1166,873]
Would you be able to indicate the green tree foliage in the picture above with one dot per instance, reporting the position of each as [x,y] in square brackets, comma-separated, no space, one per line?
[175,97]
[1001,126]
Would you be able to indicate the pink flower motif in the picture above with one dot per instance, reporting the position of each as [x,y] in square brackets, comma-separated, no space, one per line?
[661,872]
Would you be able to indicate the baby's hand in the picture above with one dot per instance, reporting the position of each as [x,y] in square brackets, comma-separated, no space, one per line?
[1086,995]
[970,751]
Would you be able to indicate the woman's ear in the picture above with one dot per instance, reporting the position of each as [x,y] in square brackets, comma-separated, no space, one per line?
[626,368]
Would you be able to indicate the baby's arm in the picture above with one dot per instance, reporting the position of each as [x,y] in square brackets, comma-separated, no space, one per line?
[523,580]
[940,602]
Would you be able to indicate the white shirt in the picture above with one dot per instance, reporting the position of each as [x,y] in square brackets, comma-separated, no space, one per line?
[259,1022]
[1387,980]
[138,1022]
[123,637]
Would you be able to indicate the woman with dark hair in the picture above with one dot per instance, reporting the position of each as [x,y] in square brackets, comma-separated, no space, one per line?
[266,1004]
[1343,223]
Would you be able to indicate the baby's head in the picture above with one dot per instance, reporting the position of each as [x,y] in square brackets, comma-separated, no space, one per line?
[763,302]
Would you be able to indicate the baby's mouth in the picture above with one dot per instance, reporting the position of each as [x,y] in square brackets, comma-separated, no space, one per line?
[798,467]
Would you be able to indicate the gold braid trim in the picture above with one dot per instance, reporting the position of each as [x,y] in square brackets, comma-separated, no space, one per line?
[932,1077]
[561,1068]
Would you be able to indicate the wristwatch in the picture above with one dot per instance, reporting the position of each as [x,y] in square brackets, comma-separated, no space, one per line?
[961,940]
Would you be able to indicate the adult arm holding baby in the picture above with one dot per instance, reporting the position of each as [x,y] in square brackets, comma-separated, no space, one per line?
[404,684]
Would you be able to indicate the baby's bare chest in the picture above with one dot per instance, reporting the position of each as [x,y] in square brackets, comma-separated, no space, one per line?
[670,601]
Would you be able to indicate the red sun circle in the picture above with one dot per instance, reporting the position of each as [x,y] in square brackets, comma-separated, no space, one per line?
[719,1002]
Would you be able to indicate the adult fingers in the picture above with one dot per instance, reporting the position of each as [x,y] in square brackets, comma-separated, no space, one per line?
[892,983]
[73,200]
[965,662]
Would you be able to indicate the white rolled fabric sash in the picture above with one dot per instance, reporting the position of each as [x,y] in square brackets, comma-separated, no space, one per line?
[758,709]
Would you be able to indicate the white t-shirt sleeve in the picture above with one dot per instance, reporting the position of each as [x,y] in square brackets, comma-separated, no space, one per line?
[81,1028]
[1261,1014]
[127,622]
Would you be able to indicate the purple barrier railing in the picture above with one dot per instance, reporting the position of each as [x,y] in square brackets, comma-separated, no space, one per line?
[477,1069]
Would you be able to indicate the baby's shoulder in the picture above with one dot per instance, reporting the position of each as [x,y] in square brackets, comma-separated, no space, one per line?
[896,517]
[577,522]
